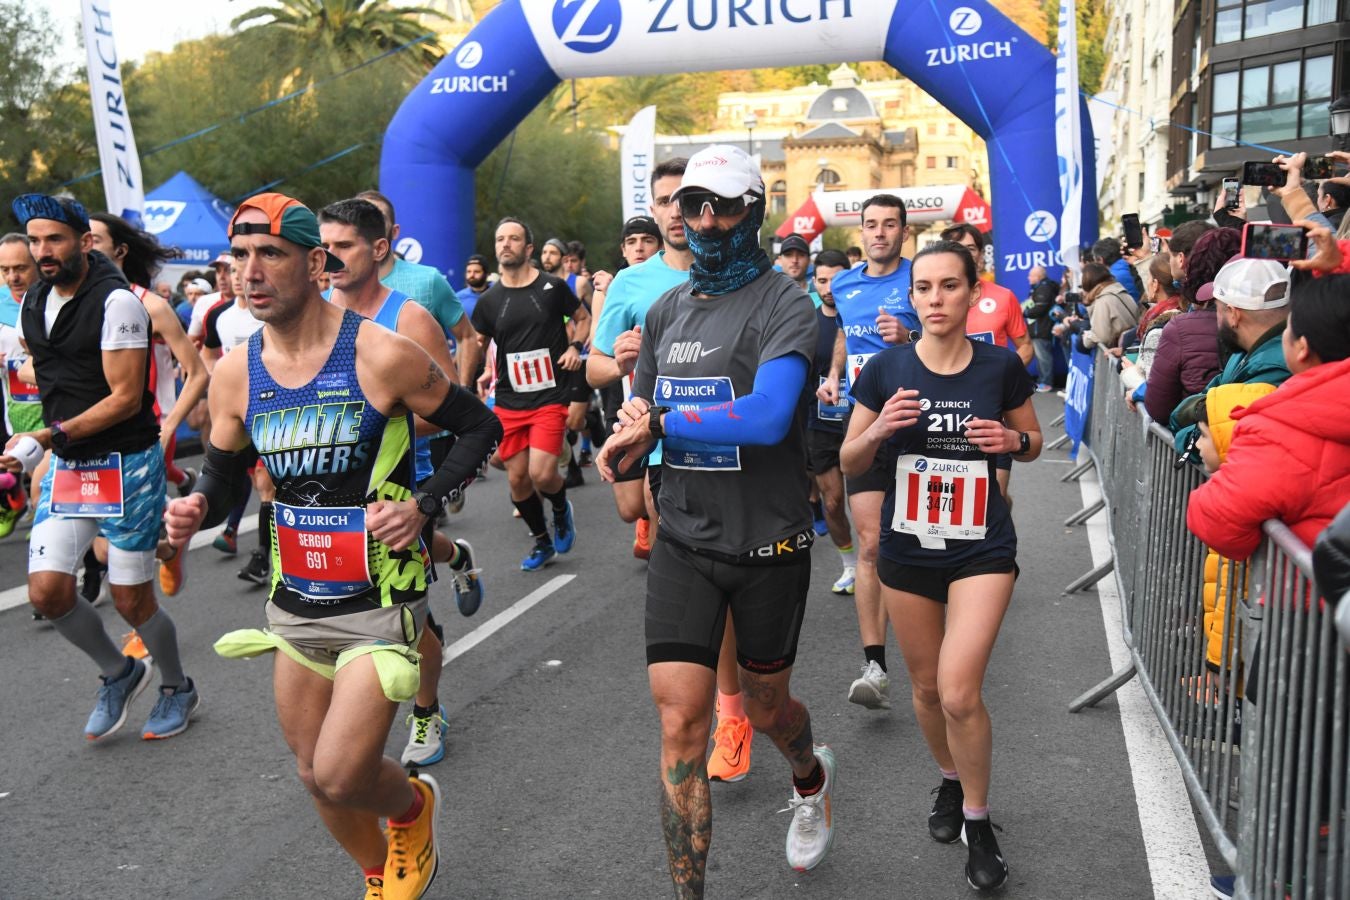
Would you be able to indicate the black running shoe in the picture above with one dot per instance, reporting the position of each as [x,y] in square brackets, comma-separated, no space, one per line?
[574,477]
[189,482]
[257,569]
[946,818]
[985,867]
[91,581]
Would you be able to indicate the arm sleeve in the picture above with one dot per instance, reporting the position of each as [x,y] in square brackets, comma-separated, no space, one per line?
[126,322]
[760,417]
[477,431]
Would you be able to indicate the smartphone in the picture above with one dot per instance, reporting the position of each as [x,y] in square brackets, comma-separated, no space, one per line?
[1263,174]
[1232,193]
[1318,168]
[1265,240]
[1134,233]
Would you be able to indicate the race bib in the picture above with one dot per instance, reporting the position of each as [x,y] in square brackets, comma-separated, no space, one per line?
[856,361]
[691,395]
[986,336]
[836,413]
[938,499]
[87,488]
[323,551]
[20,391]
[530,371]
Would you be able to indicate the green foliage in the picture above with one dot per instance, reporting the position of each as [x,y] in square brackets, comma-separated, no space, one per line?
[1092,21]
[340,33]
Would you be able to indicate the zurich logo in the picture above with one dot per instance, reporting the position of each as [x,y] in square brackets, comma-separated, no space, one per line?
[925,404]
[410,249]
[587,26]
[469,55]
[1041,226]
[159,215]
[964,21]
[289,518]
[665,389]
[920,465]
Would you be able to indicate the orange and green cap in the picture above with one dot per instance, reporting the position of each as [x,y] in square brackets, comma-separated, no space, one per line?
[286,218]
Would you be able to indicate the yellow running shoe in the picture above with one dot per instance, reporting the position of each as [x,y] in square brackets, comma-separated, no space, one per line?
[172,574]
[411,864]
[730,760]
[374,888]
[134,646]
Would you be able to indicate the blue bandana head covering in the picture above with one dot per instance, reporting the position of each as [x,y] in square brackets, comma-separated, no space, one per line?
[730,260]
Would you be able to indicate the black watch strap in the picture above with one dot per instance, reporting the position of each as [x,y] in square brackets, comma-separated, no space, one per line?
[654,415]
[1024,443]
[427,504]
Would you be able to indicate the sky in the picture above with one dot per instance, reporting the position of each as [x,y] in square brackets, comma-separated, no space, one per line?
[145,25]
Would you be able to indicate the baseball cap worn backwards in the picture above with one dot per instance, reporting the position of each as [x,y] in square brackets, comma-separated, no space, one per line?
[70,212]
[286,218]
[724,169]
[1252,284]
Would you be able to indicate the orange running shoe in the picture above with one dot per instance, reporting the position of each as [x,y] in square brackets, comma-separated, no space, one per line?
[374,887]
[642,541]
[730,760]
[173,573]
[413,857]
[134,647]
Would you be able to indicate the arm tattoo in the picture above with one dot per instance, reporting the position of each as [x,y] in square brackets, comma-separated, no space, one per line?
[434,375]
[686,821]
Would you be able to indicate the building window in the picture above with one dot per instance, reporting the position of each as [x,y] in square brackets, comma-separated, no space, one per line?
[829,179]
[1275,101]
[932,162]
[1237,20]
[951,129]
[932,129]
[1142,187]
[953,162]
[778,197]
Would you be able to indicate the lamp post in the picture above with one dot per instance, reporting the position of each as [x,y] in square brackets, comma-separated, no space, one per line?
[1340,120]
[751,120]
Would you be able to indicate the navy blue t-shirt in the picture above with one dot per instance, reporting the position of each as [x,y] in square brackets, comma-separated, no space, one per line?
[833,416]
[944,507]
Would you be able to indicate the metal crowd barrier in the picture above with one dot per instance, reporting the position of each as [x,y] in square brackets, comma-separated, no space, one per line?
[1259,732]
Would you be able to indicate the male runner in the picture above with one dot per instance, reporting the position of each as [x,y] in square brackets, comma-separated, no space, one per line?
[873,305]
[794,258]
[354,232]
[577,278]
[555,259]
[526,313]
[641,240]
[22,402]
[475,283]
[348,595]
[729,352]
[89,338]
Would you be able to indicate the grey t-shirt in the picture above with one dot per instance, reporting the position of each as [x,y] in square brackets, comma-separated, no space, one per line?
[703,352]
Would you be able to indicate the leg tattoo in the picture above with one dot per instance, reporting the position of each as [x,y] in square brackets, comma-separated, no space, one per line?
[790,726]
[686,820]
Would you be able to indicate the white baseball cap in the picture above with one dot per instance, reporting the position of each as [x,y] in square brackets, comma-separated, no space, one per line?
[1252,284]
[201,284]
[724,169]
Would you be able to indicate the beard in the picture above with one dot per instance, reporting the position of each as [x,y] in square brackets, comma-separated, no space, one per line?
[476,283]
[1228,340]
[553,269]
[68,271]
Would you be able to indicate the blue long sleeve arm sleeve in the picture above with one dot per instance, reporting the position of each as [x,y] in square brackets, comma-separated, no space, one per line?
[761,417]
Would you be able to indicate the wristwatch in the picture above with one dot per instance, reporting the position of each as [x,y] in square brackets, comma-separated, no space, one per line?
[1023,443]
[654,421]
[59,437]
[427,504]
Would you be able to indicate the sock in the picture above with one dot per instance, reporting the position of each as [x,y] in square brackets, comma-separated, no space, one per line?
[426,712]
[585,442]
[374,871]
[161,639]
[949,776]
[975,812]
[811,784]
[236,516]
[83,628]
[265,527]
[876,653]
[532,514]
[411,814]
[849,555]
[558,501]
[456,556]
[729,706]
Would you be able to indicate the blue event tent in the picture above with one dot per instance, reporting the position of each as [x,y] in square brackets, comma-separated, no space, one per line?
[183,214]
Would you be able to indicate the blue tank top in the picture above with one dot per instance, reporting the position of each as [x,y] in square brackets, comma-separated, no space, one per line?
[388,317]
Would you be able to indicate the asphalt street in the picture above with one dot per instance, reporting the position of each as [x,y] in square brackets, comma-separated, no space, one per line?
[550,778]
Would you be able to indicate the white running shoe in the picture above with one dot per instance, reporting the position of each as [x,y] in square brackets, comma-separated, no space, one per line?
[426,742]
[812,830]
[872,689]
[844,585]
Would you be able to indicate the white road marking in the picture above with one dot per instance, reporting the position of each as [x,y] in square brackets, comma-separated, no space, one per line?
[503,618]
[1176,859]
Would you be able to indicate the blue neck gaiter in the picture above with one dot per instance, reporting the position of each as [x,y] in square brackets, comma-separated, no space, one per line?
[727,262]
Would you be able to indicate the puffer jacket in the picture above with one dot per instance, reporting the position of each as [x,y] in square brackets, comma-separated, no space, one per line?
[1187,358]
[1263,363]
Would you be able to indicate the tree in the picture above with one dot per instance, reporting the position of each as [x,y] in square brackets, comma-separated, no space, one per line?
[1092,22]
[336,34]
[620,98]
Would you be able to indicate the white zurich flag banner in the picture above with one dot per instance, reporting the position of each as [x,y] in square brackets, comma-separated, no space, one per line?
[117,154]
[635,158]
[1069,134]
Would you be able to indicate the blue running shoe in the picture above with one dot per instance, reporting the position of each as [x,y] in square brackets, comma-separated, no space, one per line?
[114,697]
[172,711]
[540,556]
[564,530]
[1223,886]
[466,582]
[821,527]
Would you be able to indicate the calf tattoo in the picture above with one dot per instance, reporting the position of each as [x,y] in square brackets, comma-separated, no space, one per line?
[686,820]
[790,725]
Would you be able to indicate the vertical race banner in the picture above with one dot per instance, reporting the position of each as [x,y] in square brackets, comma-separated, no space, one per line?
[1069,134]
[121,164]
[1078,397]
[635,163]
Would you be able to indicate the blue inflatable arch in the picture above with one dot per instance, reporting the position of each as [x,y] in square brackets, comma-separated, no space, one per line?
[966,54]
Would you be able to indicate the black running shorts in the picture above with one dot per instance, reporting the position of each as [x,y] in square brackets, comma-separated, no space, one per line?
[879,477]
[822,450]
[688,595]
[932,581]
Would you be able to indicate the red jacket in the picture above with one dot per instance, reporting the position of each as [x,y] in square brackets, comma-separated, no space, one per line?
[1290,460]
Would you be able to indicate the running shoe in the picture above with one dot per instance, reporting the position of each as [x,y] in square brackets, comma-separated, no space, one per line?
[542,555]
[12,509]
[843,585]
[133,646]
[1223,886]
[821,526]
[189,482]
[1044,388]
[730,759]
[466,581]
[812,830]
[172,711]
[93,581]
[426,742]
[586,459]
[257,569]
[374,887]
[173,573]
[642,538]
[986,870]
[872,689]
[946,818]
[574,477]
[115,695]
[456,505]
[227,542]
[564,530]
[413,857]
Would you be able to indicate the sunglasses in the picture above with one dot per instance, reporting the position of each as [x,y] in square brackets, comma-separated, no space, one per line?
[693,203]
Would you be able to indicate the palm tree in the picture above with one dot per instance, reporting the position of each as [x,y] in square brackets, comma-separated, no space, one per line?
[341,33]
[622,97]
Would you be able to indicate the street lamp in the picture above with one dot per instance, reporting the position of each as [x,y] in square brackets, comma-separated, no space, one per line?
[1340,120]
[751,120]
